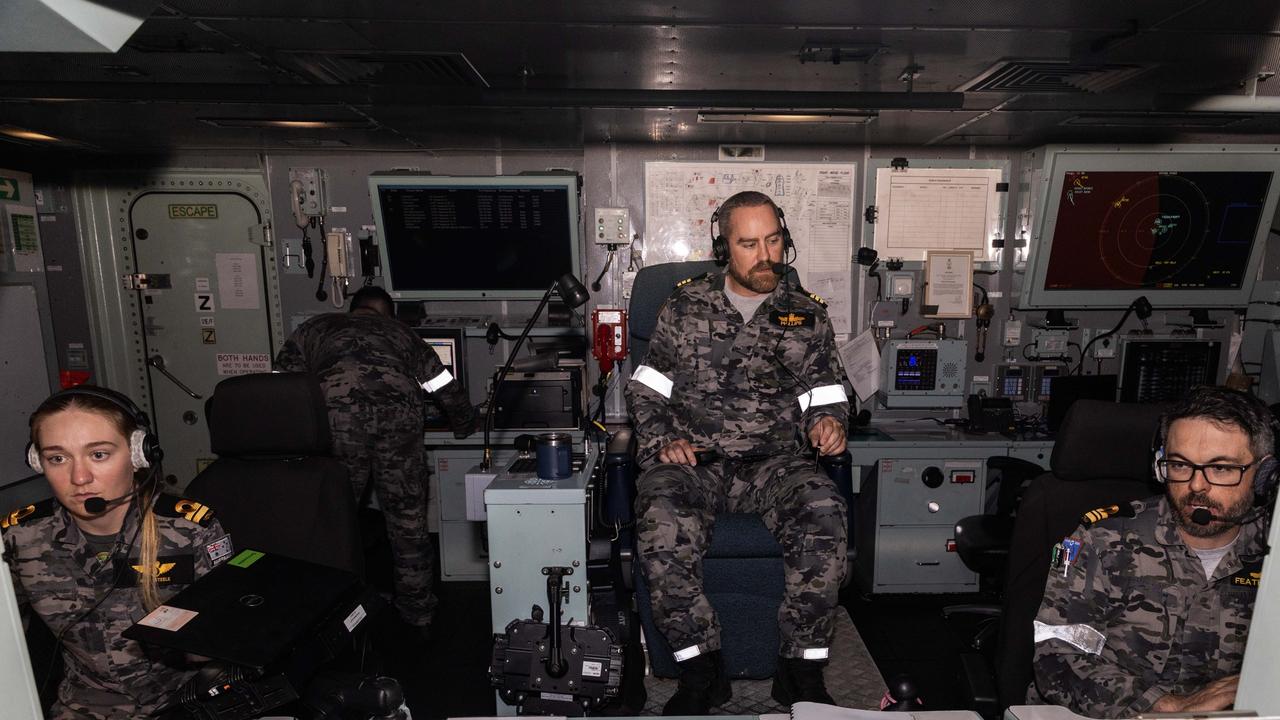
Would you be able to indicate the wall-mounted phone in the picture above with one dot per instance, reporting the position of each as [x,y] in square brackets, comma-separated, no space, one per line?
[341,253]
[609,344]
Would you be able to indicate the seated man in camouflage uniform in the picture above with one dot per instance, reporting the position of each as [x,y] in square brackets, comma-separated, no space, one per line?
[1148,606]
[373,370]
[745,366]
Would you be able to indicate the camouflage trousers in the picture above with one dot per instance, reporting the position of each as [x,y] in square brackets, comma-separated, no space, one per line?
[676,507]
[383,447]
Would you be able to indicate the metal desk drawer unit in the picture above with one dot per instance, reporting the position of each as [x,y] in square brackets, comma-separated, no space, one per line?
[911,495]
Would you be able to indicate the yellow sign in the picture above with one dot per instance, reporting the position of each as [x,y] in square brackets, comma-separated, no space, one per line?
[193,212]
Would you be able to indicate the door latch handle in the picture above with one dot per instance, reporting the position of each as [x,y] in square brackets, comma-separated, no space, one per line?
[157,362]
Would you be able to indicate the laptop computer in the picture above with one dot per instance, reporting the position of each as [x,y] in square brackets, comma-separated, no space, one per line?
[255,609]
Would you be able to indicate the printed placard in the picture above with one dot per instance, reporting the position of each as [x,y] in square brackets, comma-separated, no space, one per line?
[243,363]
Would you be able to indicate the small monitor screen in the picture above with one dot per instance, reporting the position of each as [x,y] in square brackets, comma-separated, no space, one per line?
[450,238]
[1119,230]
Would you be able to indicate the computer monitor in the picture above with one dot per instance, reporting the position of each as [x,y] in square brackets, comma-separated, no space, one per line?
[1166,370]
[475,238]
[1184,228]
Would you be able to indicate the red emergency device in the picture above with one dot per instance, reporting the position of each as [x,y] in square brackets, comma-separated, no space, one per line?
[610,342]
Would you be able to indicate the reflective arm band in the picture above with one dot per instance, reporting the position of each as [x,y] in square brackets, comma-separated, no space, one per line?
[1082,637]
[815,653]
[688,653]
[437,382]
[654,380]
[822,395]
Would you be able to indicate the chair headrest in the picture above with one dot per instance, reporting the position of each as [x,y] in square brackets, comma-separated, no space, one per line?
[268,415]
[1101,439]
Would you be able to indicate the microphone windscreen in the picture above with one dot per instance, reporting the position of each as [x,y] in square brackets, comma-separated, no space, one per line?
[778,268]
[1201,516]
[95,506]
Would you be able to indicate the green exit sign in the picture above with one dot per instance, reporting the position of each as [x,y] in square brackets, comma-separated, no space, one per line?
[9,189]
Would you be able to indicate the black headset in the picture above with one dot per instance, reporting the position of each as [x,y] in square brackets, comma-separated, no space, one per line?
[144,448]
[720,243]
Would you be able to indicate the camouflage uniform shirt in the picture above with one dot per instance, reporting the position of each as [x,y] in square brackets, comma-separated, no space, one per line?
[374,362]
[56,574]
[740,385]
[1166,629]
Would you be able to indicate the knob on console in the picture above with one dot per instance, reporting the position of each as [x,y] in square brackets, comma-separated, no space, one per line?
[932,476]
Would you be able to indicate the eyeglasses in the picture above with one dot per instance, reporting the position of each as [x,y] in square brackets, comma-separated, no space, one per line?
[1222,474]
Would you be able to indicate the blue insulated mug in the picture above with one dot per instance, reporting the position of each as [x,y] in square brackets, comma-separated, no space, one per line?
[555,456]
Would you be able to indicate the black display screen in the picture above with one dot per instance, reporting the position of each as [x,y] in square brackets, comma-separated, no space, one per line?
[1155,230]
[476,238]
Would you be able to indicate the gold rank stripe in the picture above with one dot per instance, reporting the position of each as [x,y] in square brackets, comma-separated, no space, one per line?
[12,518]
[1094,516]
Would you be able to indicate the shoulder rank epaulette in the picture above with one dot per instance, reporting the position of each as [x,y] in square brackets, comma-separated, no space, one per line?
[686,281]
[17,516]
[817,299]
[1108,511]
[175,507]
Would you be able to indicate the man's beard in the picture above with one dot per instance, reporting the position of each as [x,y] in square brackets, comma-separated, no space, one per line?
[761,278]
[1215,527]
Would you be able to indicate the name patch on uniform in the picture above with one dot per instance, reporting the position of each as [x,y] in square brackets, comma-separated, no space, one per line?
[1249,576]
[792,318]
[219,550]
[170,570]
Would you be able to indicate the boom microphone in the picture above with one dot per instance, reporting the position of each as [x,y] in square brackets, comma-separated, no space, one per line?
[778,269]
[1202,516]
[96,505]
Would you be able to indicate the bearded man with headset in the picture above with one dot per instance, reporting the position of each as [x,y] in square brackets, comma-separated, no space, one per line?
[740,391]
[1148,605]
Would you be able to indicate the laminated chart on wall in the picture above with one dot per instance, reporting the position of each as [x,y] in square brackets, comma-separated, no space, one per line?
[817,199]
[922,209]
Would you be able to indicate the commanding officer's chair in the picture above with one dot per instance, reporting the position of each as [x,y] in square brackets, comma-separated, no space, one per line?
[274,486]
[742,570]
[1101,456]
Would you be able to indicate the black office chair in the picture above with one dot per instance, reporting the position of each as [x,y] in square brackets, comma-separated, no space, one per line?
[1102,456]
[742,570]
[274,486]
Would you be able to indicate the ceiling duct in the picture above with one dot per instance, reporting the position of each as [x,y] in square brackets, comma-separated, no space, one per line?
[1154,120]
[1052,76]
[440,69]
[70,25]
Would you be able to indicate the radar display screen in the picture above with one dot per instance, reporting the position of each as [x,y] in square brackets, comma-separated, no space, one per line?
[1155,230]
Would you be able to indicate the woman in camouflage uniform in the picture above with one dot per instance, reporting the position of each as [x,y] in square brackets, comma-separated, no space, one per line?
[90,568]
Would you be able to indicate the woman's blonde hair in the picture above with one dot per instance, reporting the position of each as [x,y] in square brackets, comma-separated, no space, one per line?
[144,492]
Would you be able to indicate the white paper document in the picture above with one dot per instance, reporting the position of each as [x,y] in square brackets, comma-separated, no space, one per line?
[237,281]
[936,209]
[861,360]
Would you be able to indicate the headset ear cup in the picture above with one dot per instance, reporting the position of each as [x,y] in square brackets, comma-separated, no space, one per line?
[1264,481]
[138,449]
[720,249]
[33,458]
[1155,464]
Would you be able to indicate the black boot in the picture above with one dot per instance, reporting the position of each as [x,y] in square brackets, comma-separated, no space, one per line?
[800,681]
[702,686]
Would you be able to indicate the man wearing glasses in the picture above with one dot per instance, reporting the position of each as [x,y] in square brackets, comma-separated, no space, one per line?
[1147,606]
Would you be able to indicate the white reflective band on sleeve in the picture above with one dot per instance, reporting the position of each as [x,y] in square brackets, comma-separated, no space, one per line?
[692,651]
[824,395]
[1082,637]
[815,653]
[656,381]
[437,382]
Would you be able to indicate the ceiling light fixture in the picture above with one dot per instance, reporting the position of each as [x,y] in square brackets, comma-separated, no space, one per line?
[229,122]
[27,134]
[857,117]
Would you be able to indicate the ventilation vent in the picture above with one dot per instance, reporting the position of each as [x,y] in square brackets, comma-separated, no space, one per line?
[950,370]
[441,69]
[1041,76]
